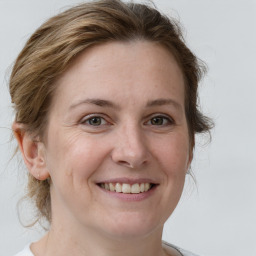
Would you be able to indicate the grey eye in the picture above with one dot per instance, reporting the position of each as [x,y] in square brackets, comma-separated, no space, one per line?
[95,121]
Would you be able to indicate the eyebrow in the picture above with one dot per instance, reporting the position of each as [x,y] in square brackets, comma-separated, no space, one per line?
[110,104]
[97,102]
[162,102]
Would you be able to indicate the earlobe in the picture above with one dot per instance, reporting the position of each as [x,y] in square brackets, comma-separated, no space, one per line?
[32,151]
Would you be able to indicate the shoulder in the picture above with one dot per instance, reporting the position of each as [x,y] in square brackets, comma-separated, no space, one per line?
[25,252]
[180,251]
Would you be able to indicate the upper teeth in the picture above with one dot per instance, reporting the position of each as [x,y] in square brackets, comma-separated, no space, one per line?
[126,188]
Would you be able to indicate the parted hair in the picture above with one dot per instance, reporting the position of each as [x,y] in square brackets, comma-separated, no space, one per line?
[52,47]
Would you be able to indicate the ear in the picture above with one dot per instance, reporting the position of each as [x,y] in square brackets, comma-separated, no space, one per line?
[33,151]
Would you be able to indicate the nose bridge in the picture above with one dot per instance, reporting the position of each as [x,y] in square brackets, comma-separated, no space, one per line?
[131,147]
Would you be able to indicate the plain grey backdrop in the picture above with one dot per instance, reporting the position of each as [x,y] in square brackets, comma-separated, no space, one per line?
[216,217]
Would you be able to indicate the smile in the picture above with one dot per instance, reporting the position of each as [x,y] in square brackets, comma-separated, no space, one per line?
[127,188]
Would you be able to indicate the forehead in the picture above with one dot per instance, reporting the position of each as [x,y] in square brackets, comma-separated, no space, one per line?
[122,70]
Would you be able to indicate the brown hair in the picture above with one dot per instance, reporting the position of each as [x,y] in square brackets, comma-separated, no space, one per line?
[51,48]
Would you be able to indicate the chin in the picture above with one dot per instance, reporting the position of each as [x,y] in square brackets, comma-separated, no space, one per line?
[133,225]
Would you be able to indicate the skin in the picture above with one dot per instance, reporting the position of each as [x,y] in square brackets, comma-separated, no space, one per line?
[118,113]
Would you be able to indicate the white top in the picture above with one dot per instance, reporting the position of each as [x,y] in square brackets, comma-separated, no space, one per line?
[27,252]
[177,250]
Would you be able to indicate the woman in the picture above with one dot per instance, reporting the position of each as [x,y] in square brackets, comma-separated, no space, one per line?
[105,96]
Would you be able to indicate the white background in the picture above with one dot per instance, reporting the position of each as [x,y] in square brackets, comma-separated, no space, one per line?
[218,216]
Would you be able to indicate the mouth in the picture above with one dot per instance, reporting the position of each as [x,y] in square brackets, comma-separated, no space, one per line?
[126,188]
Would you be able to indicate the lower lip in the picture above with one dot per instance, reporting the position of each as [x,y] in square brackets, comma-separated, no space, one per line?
[130,197]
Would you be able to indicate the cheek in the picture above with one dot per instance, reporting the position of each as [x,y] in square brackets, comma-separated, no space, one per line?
[74,158]
[173,154]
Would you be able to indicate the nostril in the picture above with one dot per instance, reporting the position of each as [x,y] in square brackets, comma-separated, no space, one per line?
[125,163]
[131,164]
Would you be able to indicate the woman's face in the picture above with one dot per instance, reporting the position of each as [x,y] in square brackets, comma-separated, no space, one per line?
[117,127]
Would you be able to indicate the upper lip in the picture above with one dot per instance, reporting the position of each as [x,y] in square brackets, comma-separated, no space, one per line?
[126,180]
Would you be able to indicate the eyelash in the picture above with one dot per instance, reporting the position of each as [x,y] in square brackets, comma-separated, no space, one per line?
[165,121]
[87,119]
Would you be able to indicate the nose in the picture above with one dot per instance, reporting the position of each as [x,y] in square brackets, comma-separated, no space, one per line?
[130,148]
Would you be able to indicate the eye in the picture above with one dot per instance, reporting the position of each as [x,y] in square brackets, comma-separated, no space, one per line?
[160,121]
[94,121]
